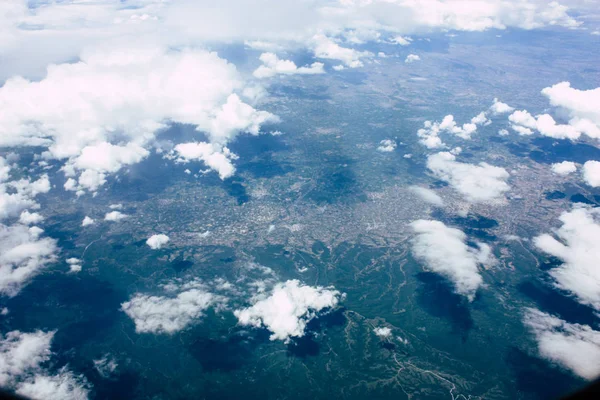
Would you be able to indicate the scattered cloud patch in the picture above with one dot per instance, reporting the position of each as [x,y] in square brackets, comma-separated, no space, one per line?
[87,221]
[272,66]
[411,58]
[477,182]
[427,195]
[591,173]
[328,49]
[157,241]
[572,346]
[383,332]
[564,168]
[288,308]
[444,251]
[576,244]
[387,146]
[23,255]
[170,314]
[114,216]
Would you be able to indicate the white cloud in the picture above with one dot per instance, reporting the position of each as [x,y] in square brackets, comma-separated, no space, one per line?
[23,254]
[162,314]
[21,353]
[572,346]
[577,247]
[87,221]
[288,308]
[102,113]
[401,40]
[478,183]
[29,218]
[18,195]
[114,216]
[582,106]
[591,173]
[215,157]
[328,49]
[430,133]
[383,332]
[157,241]
[21,358]
[387,146]
[63,386]
[564,168]
[106,365]
[427,195]
[444,251]
[272,66]
[499,107]
[412,58]
[503,132]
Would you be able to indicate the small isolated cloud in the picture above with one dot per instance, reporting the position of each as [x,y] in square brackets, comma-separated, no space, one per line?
[477,182]
[383,332]
[499,107]
[288,308]
[427,195]
[572,346]
[564,168]
[591,173]
[21,358]
[106,365]
[157,241]
[169,314]
[272,66]
[576,245]
[114,216]
[328,49]
[412,58]
[444,251]
[401,40]
[87,221]
[23,254]
[387,146]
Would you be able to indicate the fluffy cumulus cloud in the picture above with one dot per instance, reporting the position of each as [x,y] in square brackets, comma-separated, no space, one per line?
[564,168]
[576,244]
[387,146]
[272,66]
[157,241]
[572,346]
[326,48]
[427,195]
[102,112]
[23,254]
[581,106]
[477,182]
[383,332]
[499,107]
[591,173]
[430,133]
[444,251]
[213,156]
[170,313]
[87,221]
[288,308]
[114,216]
[411,58]
[21,358]
[17,195]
